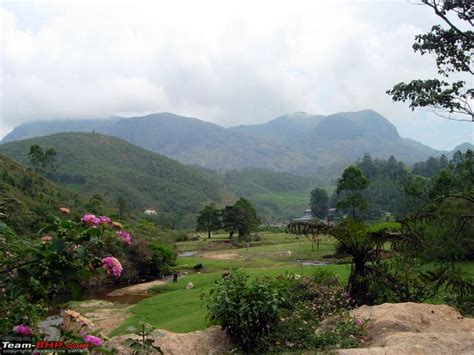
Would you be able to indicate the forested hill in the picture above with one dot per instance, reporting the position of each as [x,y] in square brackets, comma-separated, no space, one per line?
[26,199]
[297,143]
[92,163]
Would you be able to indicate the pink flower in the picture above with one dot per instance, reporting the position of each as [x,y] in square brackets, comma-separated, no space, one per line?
[360,322]
[90,220]
[104,220]
[126,238]
[22,329]
[112,266]
[91,339]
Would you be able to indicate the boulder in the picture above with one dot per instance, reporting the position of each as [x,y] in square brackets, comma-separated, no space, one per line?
[414,328]
[210,341]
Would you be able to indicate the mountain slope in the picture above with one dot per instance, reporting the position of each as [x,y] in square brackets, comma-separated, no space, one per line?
[93,163]
[26,199]
[197,142]
[296,143]
[276,196]
[342,137]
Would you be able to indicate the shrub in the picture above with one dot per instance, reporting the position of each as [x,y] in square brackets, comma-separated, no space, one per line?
[35,271]
[149,259]
[284,314]
[464,303]
[245,309]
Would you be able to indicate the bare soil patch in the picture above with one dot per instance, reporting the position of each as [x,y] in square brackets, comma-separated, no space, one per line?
[221,256]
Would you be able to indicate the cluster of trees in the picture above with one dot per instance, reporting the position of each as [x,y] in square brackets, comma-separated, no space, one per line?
[240,218]
[435,231]
[430,167]
[43,162]
[373,186]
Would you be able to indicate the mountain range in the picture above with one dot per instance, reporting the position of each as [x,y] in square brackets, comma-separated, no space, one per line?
[298,143]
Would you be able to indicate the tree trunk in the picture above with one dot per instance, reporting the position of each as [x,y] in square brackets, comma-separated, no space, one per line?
[358,284]
[209,234]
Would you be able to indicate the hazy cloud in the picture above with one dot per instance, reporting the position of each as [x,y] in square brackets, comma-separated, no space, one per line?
[228,62]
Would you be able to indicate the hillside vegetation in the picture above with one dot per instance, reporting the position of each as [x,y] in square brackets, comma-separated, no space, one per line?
[27,199]
[92,163]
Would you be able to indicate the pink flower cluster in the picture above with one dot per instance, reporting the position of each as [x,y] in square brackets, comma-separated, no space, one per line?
[126,238]
[22,329]
[91,339]
[112,266]
[92,220]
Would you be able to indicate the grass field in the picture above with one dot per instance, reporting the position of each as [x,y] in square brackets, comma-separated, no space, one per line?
[177,309]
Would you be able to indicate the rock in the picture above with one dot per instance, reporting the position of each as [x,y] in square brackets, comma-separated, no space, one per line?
[190,285]
[210,341]
[413,328]
[138,289]
[51,327]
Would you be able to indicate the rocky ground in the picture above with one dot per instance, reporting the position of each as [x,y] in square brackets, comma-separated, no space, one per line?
[393,329]
[412,328]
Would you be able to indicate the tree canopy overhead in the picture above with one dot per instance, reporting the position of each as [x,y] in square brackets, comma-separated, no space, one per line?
[452,46]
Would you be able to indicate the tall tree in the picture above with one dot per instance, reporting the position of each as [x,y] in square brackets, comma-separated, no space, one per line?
[49,161]
[452,47]
[208,220]
[351,184]
[121,205]
[228,220]
[319,203]
[36,156]
[245,218]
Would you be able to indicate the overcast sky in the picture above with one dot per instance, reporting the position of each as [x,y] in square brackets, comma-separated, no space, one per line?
[228,62]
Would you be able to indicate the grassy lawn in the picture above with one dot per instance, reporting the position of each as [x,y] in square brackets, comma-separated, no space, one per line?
[180,310]
[177,309]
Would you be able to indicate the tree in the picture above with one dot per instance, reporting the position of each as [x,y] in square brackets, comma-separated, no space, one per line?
[36,156]
[352,183]
[209,220]
[364,243]
[246,219]
[452,47]
[49,161]
[42,162]
[228,220]
[319,203]
[121,206]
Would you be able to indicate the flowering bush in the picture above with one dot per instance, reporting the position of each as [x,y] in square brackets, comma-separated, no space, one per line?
[112,266]
[61,260]
[289,313]
[92,339]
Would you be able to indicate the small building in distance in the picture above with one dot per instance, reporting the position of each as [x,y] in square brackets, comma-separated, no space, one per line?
[307,216]
[150,212]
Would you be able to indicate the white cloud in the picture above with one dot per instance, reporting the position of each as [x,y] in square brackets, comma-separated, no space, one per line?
[228,62]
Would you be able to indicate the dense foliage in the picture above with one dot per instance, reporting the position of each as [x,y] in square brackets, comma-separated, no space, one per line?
[351,184]
[112,168]
[452,47]
[34,272]
[284,314]
[209,220]
[319,203]
[28,199]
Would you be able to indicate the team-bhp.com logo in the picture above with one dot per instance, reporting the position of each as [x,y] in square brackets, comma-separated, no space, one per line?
[28,347]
